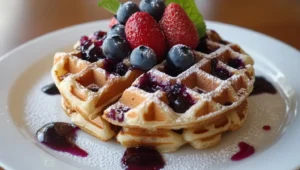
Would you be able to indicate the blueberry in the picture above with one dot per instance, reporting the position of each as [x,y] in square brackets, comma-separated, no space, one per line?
[125,11]
[180,57]
[143,57]
[118,29]
[115,47]
[155,8]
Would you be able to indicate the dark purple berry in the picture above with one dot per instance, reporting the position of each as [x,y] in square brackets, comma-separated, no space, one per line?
[117,29]
[99,35]
[125,11]
[113,67]
[143,58]
[83,40]
[93,53]
[155,8]
[116,47]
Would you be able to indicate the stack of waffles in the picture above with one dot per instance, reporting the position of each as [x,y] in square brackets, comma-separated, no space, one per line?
[155,109]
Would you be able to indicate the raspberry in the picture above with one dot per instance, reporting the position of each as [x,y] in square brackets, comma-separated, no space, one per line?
[178,28]
[113,21]
[142,29]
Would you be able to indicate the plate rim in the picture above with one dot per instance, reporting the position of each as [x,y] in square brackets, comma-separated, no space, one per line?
[70,28]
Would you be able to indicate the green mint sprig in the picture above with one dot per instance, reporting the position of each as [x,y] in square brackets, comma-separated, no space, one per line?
[192,11]
[110,5]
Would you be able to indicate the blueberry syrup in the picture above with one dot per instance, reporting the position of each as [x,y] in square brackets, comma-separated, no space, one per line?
[267,127]
[219,72]
[179,100]
[150,84]
[114,67]
[118,113]
[246,150]
[61,137]
[142,158]
[236,63]
[50,89]
[261,85]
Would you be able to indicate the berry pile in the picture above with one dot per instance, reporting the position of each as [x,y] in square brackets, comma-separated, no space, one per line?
[147,33]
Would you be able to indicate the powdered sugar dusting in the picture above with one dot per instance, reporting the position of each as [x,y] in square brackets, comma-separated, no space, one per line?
[35,109]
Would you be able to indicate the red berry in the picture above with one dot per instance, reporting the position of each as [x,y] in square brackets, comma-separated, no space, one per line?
[113,21]
[142,29]
[178,28]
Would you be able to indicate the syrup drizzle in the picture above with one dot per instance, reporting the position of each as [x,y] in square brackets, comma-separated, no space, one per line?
[60,136]
[246,150]
[142,158]
[267,127]
[50,89]
[261,85]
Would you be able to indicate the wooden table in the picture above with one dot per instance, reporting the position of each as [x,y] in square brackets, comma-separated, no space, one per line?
[22,20]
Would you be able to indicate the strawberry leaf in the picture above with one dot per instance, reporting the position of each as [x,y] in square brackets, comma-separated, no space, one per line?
[194,14]
[110,5]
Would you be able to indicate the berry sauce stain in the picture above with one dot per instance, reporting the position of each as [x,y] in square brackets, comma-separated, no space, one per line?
[179,99]
[246,150]
[267,127]
[51,89]
[60,136]
[261,85]
[142,158]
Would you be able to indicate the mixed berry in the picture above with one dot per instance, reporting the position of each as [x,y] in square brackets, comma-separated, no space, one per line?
[91,47]
[115,67]
[178,97]
[180,58]
[118,29]
[143,58]
[116,47]
[125,11]
[147,33]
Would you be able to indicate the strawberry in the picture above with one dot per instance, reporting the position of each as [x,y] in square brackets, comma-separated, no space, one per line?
[178,28]
[113,21]
[142,29]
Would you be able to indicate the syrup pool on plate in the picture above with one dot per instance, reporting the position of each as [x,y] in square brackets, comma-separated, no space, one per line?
[61,137]
[50,89]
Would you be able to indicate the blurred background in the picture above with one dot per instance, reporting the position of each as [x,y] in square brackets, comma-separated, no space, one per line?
[23,20]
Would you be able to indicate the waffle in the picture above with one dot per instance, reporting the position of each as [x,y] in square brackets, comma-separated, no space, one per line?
[87,88]
[104,104]
[219,93]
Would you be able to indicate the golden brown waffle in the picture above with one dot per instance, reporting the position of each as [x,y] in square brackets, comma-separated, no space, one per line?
[88,89]
[219,103]
[90,97]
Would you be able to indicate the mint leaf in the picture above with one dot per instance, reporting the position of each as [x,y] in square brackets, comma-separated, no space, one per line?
[192,11]
[110,5]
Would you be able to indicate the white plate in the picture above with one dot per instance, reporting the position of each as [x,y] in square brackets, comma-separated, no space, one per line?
[24,109]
